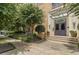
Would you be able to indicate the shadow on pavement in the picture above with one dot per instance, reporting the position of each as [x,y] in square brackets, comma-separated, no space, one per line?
[72,45]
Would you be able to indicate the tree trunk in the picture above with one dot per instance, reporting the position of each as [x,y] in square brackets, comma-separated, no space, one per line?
[30,29]
[33,27]
[24,29]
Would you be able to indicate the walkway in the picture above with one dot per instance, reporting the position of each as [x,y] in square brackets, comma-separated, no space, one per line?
[52,46]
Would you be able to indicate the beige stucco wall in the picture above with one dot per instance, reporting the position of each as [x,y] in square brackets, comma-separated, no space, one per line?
[72,18]
[51,27]
[46,7]
[67,25]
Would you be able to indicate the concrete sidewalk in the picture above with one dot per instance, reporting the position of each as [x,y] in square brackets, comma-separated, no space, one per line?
[48,47]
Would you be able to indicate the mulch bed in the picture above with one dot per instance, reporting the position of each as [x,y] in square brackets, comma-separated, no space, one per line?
[6,47]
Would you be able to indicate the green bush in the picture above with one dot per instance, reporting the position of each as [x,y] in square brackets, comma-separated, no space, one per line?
[73,33]
[30,38]
[34,35]
[16,35]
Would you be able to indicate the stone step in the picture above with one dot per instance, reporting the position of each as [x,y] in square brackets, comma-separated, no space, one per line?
[63,39]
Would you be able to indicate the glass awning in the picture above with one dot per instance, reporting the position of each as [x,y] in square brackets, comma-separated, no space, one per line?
[60,12]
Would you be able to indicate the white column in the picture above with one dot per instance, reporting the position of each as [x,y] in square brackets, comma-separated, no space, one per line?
[50,24]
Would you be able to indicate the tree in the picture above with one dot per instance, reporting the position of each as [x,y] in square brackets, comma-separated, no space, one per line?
[7,15]
[20,24]
[10,17]
[17,16]
[32,16]
[74,7]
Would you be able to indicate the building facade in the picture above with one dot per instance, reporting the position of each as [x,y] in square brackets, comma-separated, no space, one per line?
[46,7]
[61,22]
[57,20]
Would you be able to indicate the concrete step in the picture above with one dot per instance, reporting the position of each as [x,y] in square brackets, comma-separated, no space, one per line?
[71,43]
[63,39]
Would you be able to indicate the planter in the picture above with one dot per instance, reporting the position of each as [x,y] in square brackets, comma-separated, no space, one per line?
[73,33]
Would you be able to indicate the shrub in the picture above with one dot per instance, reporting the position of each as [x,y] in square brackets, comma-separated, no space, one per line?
[30,38]
[16,35]
[73,33]
[19,32]
[34,35]
[25,38]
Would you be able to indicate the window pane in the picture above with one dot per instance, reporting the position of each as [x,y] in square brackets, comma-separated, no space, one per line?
[57,27]
[63,26]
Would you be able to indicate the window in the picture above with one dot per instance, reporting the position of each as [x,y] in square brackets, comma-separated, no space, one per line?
[63,26]
[57,27]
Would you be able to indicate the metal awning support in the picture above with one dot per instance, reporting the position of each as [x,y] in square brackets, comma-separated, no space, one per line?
[59,12]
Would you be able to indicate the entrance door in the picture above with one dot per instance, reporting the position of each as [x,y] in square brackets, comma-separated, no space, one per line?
[60,29]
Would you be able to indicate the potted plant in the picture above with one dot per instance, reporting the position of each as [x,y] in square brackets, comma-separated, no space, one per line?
[73,33]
